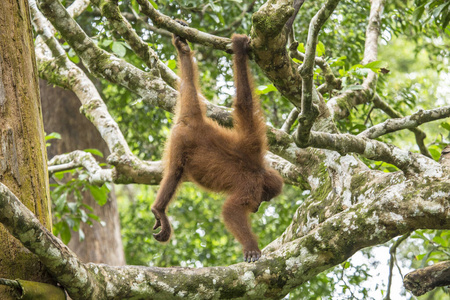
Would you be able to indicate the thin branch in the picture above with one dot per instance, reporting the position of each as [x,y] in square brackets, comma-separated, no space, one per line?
[424,280]
[409,122]
[76,159]
[292,117]
[134,17]
[191,34]
[391,112]
[290,23]
[331,82]
[310,112]
[392,253]
[236,23]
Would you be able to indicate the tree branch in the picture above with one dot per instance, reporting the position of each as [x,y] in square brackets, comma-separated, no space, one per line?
[388,211]
[392,260]
[134,17]
[191,34]
[309,112]
[152,89]
[391,112]
[424,280]
[407,161]
[77,7]
[409,122]
[341,105]
[111,11]
[129,167]
[292,117]
[236,23]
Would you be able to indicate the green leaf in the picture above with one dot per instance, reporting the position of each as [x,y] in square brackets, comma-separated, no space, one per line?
[354,67]
[264,89]
[60,175]
[106,43]
[376,65]
[418,12]
[154,4]
[119,49]
[73,207]
[135,5]
[435,152]
[214,17]
[420,256]
[172,64]
[215,8]
[60,202]
[445,125]
[301,48]
[296,60]
[84,216]
[439,240]
[320,49]
[94,151]
[53,135]
[94,217]
[100,194]
[65,233]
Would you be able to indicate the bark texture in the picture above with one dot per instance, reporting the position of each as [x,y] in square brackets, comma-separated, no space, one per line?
[424,280]
[23,162]
[61,112]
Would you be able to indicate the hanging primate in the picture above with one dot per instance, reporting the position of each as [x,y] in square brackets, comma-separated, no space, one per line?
[217,158]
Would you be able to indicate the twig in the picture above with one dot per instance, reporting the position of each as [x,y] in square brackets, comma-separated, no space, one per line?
[290,23]
[331,82]
[191,34]
[391,112]
[392,252]
[408,122]
[133,17]
[290,120]
[236,23]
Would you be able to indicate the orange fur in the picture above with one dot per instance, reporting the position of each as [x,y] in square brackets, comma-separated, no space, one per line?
[217,158]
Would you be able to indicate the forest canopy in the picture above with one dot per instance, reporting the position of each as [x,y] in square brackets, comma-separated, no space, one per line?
[355,96]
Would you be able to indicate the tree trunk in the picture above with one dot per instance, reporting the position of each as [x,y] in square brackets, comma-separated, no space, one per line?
[61,111]
[23,160]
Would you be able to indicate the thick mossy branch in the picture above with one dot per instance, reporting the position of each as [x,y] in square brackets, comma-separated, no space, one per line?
[269,48]
[391,211]
[424,280]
